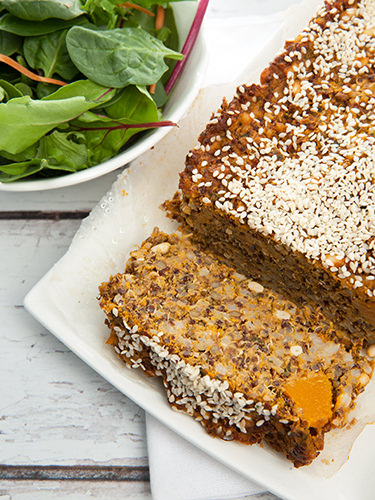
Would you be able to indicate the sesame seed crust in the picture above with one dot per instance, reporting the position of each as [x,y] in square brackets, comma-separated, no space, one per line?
[297,159]
[226,347]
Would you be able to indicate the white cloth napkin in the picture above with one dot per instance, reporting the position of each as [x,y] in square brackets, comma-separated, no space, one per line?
[179,471]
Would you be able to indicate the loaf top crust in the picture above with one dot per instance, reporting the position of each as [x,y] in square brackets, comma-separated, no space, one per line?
[294,157]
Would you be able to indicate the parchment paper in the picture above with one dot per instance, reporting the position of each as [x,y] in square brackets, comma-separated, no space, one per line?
[127,214]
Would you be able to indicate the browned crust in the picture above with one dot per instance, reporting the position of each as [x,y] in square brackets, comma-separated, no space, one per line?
[152,309]
[273,262]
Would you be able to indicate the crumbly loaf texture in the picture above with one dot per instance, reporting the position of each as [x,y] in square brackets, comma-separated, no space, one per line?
[246,363]
[281,183]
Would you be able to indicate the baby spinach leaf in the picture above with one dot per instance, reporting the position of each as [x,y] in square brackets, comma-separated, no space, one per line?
[24,88]
[102,12]
[21,27]
[15,171]
[119,57]
[171,40]
[149,3]
[45,89]
[24,121]
[86,88]
[159,96]
[9,43]
[10,89]
[25,155]
[49,53]
[134,104]
[63,151]
[39,10]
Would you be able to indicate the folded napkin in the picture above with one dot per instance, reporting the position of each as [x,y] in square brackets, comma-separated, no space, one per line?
[179,471]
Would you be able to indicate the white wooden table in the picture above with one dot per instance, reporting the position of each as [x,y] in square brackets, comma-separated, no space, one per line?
[65,433]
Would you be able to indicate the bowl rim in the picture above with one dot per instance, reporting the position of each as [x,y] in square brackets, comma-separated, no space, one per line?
[199,56]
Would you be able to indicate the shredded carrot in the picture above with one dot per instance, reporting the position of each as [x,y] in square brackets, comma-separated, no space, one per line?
[159,23]
[10,62]
[159,20]
[130,5]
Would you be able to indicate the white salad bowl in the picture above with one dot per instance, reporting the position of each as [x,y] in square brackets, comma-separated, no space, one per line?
[178,103]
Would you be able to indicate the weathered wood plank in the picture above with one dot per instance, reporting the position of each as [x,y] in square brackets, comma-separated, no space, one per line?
[43,215]
[75,490]
[73,473]
[53,408]
[79,197]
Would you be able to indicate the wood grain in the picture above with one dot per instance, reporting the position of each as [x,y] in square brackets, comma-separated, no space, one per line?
[54,410]
[73,473]
[75,490]
[43,215]
[79,197]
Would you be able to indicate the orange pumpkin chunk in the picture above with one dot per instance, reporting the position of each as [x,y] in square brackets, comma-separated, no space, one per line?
[312,397]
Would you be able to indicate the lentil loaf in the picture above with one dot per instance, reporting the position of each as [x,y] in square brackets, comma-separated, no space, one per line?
[245,362]
[281,183]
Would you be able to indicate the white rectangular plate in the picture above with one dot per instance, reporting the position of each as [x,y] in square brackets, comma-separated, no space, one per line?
[65,302]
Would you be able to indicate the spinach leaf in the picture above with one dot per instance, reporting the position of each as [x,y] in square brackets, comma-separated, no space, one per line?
[102,12]
[64,151]
[167,34]
[149,3]
[119,57]
[45,89]
[86,88]
[21,27]
[9,43]
[24,121]
[24,88]
[25,155]
[49,53]
[135,104]
[134,107]
[10,89]
[15,171]
[39,10]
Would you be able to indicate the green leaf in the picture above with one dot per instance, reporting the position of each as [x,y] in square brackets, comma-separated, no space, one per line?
[159,96]
[3,94]
[10,89]
[63,151]
[24,121]
[39,10]
[45,89]
[119,57]
[102,12]
[15,171]
[24,88]
[27,154]
[149,3]
[9,43]
[172,40]
[21,27]
[49,53]
[134,106]
[86,88]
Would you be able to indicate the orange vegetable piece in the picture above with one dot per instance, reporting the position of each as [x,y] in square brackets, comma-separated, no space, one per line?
[14,64]
[312,397]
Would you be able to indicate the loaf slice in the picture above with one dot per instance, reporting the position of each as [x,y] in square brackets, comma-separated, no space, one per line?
[281,184]
[246,363]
